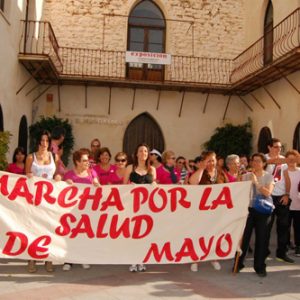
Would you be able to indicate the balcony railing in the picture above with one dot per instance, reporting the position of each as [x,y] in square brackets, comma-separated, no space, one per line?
[286,37]
[38,39]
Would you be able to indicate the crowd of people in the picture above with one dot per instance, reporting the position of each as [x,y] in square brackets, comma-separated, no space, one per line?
[274,177]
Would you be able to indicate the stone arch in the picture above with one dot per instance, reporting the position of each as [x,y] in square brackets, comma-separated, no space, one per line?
[265,136]
[143,129]
[23,133]
[296,138]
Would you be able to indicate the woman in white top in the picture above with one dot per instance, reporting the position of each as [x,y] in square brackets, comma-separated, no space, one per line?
[293,173]
[41,163]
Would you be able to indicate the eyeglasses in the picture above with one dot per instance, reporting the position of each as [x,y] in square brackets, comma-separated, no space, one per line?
[173,157]
[121,160]
[96,146]
[277,147]
[153,154]
[180,162]
[84,160]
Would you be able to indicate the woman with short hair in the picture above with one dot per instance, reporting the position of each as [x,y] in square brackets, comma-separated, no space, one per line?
[103,167]
[167,173]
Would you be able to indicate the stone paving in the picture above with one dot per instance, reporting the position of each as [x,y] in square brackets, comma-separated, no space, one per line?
[115,282]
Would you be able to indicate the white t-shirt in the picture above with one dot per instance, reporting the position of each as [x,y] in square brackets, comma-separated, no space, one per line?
[294,194]
[277,172]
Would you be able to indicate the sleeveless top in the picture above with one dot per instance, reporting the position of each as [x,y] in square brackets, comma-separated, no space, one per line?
[140,179]
[45,171]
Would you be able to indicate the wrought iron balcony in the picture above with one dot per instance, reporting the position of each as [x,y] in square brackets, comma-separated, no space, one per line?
[49,63]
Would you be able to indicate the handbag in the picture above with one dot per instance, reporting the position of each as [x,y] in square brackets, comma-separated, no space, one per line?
[263,204]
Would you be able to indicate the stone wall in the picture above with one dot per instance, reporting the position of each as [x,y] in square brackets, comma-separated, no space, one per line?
[216,27]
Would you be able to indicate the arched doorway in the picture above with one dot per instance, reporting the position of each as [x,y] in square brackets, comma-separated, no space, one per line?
[23,133]
[143,129]
[268,34]
[1,119]
[264,139]
[146,33]
[296,139]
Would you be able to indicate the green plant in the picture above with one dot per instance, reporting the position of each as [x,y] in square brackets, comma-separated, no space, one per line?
[4,147]
[48,124]
[231,139]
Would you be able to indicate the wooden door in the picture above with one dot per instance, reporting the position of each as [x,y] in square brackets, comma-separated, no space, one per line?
[143,129]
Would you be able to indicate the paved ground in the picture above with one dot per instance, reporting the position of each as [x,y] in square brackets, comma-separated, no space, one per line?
[159,282]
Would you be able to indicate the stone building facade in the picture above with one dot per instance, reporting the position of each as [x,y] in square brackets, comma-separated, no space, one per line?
[212,29]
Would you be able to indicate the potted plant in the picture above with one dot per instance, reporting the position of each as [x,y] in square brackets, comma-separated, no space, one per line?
[4,147]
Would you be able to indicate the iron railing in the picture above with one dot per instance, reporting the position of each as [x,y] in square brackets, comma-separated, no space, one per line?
[286,37]
[38,39]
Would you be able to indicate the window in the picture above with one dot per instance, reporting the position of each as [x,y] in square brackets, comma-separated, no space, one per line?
[268,35]
[265,137]
[2,5]
[296,139]
[146,33]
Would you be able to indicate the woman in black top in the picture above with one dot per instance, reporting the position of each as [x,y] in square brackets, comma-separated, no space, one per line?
[140,172]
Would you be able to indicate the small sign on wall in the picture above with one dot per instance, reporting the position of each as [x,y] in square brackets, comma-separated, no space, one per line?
[148,58]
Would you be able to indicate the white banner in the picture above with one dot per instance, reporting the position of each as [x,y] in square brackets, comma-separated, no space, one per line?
[124,224]
[148,58]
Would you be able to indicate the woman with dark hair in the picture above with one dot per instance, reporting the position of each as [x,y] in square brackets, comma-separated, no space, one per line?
[207,173]
[41,163]
[117,177]
[58,134]
[104,168]
[262,184]
[140,172]
[18,164]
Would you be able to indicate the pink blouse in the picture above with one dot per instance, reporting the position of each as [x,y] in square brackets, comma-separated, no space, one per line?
[163,176]
[13,168]
[104,175]
[77,179]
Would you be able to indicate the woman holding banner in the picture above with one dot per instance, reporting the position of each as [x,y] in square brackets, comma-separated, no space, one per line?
[262,184]
[140,172]
[80,174]
[167,173]
[207,173]
[41,163]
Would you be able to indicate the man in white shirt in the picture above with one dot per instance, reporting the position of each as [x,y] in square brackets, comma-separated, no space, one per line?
[275,166]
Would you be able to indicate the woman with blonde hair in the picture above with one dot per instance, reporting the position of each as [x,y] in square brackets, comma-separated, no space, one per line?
[167,173]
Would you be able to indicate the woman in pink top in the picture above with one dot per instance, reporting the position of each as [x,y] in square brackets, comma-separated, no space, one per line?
[167,173]
[117,176]
[104,168]
[231,174]
[80,174]
[18,164]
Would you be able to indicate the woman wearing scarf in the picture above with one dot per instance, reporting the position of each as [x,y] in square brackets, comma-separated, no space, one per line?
[167,173]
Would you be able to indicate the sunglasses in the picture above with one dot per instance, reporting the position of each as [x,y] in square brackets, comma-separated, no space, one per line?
[121,160]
